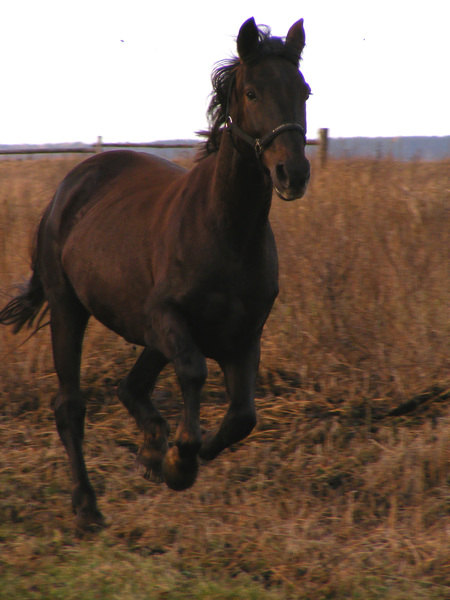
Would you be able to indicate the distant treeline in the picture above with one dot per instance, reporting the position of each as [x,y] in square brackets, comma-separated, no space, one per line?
[400,148]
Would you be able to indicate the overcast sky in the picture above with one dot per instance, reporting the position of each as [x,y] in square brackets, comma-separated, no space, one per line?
[139,70]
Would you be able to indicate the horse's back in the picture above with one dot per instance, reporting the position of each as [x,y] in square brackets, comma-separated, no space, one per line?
[100,232]
[110,175]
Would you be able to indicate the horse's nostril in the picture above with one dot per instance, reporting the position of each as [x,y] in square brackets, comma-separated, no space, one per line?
[281,173]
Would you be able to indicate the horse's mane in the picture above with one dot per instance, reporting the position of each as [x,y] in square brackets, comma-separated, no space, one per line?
[222,80]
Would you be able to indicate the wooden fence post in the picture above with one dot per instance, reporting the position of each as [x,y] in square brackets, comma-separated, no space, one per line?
[98,145]
[323,146]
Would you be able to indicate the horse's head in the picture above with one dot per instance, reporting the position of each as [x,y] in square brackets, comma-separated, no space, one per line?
[267,105]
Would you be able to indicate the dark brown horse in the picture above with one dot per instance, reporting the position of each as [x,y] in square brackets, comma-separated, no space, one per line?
[180,262]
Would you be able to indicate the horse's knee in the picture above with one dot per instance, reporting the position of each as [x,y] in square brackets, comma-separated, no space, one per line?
[191,370]
[235,427]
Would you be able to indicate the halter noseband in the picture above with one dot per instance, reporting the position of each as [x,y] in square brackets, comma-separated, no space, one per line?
[258,144]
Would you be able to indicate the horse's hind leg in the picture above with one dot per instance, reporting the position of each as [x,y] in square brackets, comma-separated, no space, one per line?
[68,320]
[135,391]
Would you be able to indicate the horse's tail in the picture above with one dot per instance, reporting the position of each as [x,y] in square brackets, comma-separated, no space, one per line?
[26,306]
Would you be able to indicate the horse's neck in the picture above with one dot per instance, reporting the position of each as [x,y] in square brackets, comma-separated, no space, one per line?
[241,191]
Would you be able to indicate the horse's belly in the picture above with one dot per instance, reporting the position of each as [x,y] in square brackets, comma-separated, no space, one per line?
[109,293]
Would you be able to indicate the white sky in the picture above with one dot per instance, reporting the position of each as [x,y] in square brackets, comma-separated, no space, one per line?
[139,70]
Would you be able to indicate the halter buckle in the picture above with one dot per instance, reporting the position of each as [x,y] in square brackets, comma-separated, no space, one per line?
[259,148]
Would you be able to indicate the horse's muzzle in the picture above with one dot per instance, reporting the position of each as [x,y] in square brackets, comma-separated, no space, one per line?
[290,180]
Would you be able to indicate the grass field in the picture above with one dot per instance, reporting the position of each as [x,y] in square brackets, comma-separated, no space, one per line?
[326,499]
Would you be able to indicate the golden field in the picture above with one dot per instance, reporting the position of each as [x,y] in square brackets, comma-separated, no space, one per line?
[329,498]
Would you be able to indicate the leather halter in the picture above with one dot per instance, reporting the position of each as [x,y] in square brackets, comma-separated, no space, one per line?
[258,144]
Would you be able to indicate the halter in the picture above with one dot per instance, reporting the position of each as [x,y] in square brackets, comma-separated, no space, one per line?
[258,144]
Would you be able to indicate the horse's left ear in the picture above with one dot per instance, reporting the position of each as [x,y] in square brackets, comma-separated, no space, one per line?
[296,37]
[248,39]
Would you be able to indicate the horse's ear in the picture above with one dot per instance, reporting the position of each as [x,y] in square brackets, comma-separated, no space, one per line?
[248,39]
[296,38]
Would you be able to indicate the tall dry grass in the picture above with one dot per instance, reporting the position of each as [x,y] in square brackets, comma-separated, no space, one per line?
[365,283]
[324,500]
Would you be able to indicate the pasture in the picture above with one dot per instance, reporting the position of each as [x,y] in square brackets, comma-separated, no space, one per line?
[326,499]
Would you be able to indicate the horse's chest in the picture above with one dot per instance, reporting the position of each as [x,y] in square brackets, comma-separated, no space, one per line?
[221,321]
[222,310]
[227,298]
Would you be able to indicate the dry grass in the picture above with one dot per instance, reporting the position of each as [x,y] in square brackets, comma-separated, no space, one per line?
[324,500]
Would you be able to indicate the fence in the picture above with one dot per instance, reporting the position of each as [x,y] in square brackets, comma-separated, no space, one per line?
[99,146]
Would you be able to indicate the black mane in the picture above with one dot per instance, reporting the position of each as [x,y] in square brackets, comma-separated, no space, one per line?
[222,80]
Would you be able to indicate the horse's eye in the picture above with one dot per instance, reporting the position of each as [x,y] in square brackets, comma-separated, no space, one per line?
[250,95]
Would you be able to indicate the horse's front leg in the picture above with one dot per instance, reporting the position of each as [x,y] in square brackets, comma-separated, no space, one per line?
[240,378]
[171,335]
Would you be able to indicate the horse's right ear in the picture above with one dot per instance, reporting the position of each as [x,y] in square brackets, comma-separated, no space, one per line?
[248,39]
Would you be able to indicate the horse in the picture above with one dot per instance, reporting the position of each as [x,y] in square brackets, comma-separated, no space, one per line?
[181,262]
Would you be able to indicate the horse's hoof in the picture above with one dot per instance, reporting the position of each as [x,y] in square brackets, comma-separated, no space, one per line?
[179,472]
[87,521]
